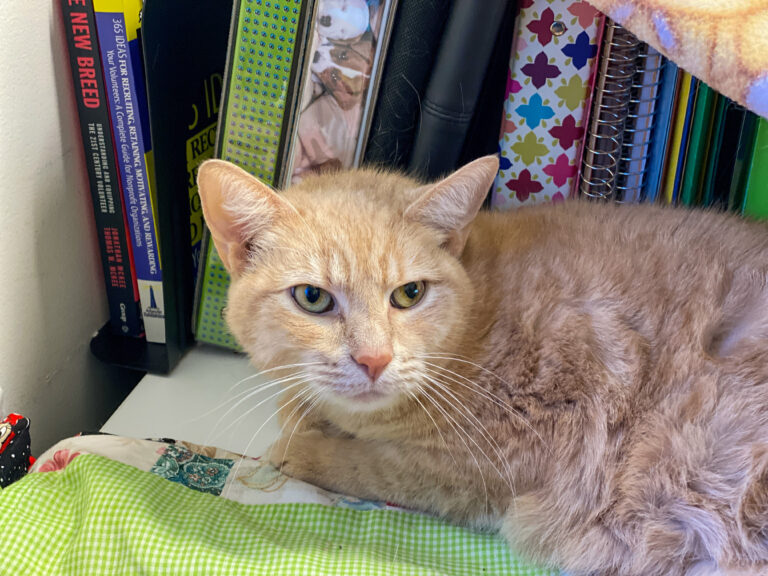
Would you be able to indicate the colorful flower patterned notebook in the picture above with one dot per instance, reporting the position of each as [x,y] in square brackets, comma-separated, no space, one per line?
[551,72]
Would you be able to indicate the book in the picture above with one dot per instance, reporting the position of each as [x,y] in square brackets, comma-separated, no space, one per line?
[684,141]
[661,131]
[185,47]
[416,33]
[301,103]
[635,150]
[551,71]
[117,23]
[612,104]
[756,194]
[741,165]
[482,136]
[454,86]
[257,109]
[673,166]
[732,126]
[338,87]
[698,147]
[709,192]
[120,280]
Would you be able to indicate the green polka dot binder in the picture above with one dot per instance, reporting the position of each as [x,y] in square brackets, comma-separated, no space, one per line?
[264,56]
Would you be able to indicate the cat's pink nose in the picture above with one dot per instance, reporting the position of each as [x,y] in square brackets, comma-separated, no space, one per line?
[373,362]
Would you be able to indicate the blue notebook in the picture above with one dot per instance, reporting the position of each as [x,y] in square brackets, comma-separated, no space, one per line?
[660,136]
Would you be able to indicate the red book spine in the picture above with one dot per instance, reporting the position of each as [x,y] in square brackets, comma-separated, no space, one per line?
[98,145]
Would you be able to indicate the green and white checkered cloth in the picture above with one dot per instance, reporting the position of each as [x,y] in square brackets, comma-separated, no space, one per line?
[100,516]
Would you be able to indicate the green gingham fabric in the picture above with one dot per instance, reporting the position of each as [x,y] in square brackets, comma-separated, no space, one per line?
[99,516]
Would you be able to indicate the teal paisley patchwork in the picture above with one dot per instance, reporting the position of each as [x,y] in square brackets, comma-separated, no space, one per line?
[195,471]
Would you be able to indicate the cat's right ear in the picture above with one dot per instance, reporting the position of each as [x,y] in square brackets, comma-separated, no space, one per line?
[240,211]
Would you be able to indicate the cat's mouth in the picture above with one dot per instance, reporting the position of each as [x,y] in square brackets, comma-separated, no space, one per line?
[364,399]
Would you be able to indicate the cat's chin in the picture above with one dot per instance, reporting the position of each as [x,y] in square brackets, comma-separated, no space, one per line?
[367,401]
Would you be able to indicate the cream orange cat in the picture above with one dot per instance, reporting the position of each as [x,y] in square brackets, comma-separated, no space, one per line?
[589,379]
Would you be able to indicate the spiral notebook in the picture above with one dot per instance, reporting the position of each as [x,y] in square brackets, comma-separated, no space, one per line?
[618,143]
[654,133]
[636,143]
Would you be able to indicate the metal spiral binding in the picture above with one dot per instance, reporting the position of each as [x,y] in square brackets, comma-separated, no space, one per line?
[610,110]
[633,163]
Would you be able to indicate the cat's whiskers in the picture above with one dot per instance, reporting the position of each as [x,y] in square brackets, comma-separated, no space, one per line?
[447,448]
[303,379]
[243,394]
[306,395]
[315,399]
[479,389]
[270,370]
[458,431]
[437,387]
[488,438]
[306,392]
[246,394]
[480,427]
[272,396]
[233,475]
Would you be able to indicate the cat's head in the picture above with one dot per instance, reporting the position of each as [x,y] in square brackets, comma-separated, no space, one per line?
[354,275]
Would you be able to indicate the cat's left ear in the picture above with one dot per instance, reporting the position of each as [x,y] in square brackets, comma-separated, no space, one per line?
[451,205]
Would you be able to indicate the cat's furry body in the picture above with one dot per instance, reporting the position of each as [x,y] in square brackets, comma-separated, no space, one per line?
[590,379]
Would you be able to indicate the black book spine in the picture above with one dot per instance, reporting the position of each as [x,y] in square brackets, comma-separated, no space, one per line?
[88,79]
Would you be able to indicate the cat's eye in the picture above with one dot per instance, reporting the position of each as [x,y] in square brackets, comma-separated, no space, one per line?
[408,295]
[312,299]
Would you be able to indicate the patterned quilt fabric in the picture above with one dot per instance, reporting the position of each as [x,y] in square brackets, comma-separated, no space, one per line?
[111,505]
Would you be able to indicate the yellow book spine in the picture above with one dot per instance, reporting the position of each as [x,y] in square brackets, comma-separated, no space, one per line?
[108,5]
[677,137]
[132,11]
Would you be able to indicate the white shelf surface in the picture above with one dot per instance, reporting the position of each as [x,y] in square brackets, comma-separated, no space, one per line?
[192,403]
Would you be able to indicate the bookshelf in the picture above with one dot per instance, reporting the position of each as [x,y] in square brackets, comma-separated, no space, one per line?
[184,44]
[249,34]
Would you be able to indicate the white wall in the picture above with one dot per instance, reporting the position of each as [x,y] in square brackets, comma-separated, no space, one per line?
[51,285]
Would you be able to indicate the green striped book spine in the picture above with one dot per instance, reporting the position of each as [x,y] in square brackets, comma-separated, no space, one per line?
[264,60]
[756,196]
